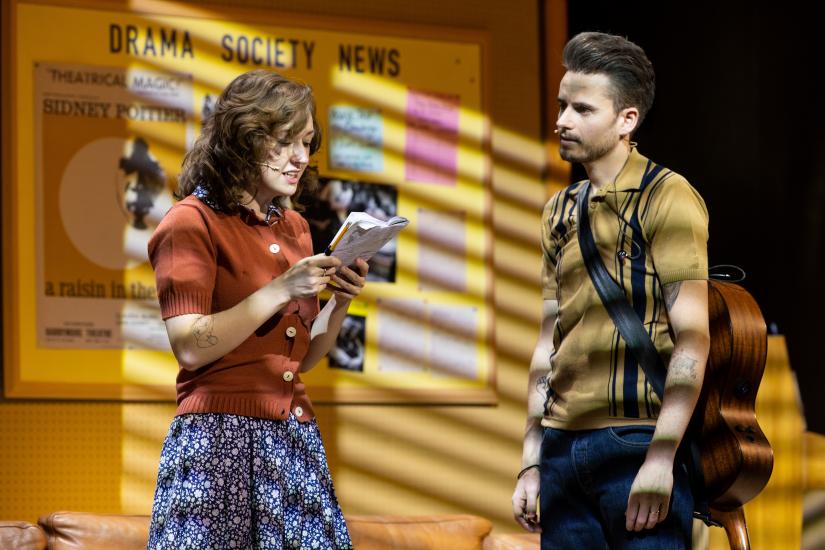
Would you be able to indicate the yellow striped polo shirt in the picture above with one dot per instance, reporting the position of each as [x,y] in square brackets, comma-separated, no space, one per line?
[651,229]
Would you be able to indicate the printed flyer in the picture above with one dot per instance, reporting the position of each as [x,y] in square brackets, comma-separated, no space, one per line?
[107,139]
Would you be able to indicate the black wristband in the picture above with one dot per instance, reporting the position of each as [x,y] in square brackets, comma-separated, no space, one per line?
[524,471]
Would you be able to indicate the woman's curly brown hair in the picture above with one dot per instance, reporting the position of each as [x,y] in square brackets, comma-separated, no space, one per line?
[235,137]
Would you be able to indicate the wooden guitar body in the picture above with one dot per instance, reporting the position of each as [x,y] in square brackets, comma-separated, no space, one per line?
[737,458]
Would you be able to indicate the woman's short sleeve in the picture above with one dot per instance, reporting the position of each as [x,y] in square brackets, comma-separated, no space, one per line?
[184,259]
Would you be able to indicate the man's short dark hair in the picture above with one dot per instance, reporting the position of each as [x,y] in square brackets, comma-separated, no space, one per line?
[622,61]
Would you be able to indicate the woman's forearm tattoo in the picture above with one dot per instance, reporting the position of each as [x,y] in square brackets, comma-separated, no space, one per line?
[542,383]
[202,331]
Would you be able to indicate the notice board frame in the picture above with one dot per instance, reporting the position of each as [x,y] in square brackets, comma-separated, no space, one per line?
[22,357]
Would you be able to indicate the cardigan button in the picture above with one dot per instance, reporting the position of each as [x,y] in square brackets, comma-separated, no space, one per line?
[288,376]
[274,248]
[291,332]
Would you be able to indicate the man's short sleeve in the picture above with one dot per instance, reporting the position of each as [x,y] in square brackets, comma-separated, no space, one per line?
[549,290]
[676,225]
[184,259]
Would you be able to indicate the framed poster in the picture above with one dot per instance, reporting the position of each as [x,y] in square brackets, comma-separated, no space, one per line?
[102,100]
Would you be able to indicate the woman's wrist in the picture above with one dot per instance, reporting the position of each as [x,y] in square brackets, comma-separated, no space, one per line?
[340,302]
[278,291]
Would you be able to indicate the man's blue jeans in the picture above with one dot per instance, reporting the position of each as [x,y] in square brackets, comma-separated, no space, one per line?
[585,483]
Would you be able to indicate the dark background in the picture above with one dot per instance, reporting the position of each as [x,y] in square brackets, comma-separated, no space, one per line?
[738,114]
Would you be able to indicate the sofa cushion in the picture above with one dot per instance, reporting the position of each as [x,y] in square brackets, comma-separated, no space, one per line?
[458,532]
[513,541]
[21,535]
[73,530]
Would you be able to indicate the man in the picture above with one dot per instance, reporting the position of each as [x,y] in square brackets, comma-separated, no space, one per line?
[599,443]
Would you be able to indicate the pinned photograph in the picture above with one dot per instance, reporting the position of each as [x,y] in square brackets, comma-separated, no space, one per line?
[348,353]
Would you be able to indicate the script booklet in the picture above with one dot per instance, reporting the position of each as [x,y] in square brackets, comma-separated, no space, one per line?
[362,235]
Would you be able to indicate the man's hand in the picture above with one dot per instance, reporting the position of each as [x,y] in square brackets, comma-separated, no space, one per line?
[524,500]
[649,499]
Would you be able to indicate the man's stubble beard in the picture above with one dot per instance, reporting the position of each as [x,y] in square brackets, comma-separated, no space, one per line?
[588,153]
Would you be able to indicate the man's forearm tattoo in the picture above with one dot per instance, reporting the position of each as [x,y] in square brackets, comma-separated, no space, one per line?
[671,293]
[682,367]
[202,331]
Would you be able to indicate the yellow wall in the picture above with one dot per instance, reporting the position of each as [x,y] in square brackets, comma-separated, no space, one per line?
[102,457]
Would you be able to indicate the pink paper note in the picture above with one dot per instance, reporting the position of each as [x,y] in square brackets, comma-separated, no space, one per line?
[432,137]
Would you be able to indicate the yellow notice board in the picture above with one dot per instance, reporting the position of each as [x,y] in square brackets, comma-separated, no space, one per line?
[101,102]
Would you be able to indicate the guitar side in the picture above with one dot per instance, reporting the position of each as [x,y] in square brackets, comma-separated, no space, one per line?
[737,458]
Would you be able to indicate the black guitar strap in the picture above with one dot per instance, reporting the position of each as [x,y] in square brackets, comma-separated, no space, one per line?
[630,326]
[636,338]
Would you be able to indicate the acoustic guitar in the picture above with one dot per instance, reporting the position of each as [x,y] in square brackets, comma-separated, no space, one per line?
[736,457]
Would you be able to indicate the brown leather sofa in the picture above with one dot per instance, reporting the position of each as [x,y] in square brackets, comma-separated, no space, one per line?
[79,530]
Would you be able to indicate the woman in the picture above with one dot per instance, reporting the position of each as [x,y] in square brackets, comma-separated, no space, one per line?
[243,464]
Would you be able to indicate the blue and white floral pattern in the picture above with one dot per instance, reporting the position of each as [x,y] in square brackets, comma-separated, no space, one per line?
[203,194]
[229,481]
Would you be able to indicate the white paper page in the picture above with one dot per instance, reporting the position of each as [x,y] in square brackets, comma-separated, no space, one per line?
[453,340]
[363,239]
[402,335]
